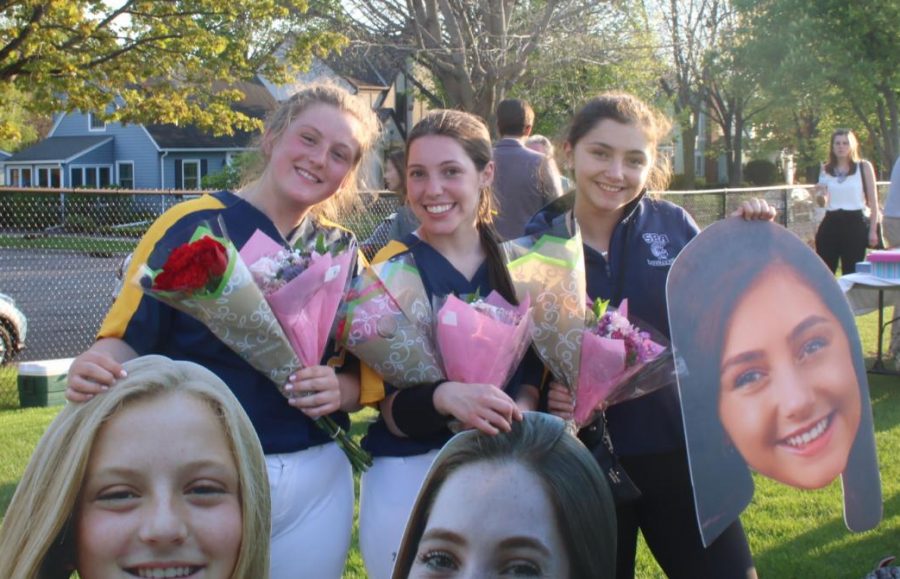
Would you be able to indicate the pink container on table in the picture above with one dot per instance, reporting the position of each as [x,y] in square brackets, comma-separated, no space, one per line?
[885,264]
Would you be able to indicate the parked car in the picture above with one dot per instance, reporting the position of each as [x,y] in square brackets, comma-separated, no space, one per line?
[13,328]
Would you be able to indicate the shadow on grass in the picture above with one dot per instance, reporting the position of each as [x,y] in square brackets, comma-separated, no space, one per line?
[817,554]
[884,392]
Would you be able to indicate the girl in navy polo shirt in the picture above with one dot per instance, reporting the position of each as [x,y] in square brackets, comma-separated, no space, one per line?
[312,146]
[449,173]
[630,240]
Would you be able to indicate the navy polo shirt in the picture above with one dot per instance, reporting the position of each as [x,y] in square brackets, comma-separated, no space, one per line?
[642,248]
[152,327]
[440,278]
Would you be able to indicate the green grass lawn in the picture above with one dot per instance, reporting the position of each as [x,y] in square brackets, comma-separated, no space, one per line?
[793,533]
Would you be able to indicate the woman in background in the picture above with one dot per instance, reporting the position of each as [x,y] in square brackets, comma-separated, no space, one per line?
[401,222]
[847,186]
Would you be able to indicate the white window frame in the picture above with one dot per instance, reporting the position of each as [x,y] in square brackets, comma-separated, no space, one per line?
[91,126]
[119,165]
[48,173]
[83,169]
[184,164]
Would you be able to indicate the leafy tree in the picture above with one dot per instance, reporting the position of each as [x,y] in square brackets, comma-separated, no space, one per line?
[564,74]
[475,51]
[841,58]
[18,126]
[154,60]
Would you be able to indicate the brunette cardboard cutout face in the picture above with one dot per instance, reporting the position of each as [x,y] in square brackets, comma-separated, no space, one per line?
[531,502]
[770,373]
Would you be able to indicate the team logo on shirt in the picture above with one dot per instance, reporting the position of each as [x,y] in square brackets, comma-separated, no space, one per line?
[657,243]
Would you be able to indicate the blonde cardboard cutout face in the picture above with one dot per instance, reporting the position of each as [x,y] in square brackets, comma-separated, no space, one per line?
[770,374]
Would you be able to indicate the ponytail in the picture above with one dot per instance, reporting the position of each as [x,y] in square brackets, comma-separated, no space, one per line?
[498,274]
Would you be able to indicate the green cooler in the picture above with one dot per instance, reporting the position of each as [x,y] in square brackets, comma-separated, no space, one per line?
[43,383]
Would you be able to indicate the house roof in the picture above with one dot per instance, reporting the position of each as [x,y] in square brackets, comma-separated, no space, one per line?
[58,149]
[257,103]
[4,154]
[368,66]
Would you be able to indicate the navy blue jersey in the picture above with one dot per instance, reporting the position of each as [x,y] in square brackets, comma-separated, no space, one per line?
[440,278]
[643,246]
[152,327]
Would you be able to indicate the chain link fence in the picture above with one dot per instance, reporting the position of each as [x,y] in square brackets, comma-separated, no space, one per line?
[60,251]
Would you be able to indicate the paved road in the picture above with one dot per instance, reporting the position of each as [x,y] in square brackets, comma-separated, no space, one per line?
[64,295]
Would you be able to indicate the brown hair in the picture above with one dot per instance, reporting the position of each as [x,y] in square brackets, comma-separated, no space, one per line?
[397,158]
[854,151]
[473,136]
[513,117]
[571,478]
[627,109]
[329,94]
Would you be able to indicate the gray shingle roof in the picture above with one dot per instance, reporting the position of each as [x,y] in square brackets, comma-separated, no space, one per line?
[58,149]
[257,103]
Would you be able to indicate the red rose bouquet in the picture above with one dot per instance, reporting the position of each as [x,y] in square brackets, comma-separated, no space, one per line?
[207,279]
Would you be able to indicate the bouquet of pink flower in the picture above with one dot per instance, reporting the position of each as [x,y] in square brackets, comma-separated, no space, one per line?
[209,280]
[600,356]
[303,286]
[482,341]
[613,351]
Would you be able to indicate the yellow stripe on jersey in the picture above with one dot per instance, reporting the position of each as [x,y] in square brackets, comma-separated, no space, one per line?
[371,386]
[129,298]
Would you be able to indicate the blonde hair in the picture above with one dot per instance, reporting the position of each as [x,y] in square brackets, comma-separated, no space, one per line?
[327,94]
[37,540]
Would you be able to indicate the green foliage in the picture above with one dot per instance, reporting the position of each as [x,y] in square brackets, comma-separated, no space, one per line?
[167,62]
[830,58]
[18,126]
[232,176]
[761,172]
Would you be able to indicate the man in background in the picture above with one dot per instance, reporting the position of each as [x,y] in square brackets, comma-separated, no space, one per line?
[523,182]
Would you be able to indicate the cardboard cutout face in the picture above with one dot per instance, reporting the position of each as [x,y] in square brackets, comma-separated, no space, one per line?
[531,502]
[770,373]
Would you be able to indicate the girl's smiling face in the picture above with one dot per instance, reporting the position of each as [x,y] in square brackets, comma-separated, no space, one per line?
[789,397]
[310,160]
[611,163]
[161,495]
[444,185]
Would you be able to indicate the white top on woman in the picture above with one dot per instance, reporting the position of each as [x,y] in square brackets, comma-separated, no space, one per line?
[844,192]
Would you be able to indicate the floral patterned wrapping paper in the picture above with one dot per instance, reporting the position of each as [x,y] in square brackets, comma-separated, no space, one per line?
[387,323]
[550,271]
[237,313]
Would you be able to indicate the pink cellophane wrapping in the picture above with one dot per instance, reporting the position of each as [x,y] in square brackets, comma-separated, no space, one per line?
[306,306]
[603,375]
[478,349]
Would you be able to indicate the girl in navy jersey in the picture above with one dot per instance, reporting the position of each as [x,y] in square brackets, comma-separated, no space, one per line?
[312,146]
[449,173]
[630,240]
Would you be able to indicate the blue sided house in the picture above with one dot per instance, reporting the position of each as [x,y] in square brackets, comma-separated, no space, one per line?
[83,151]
